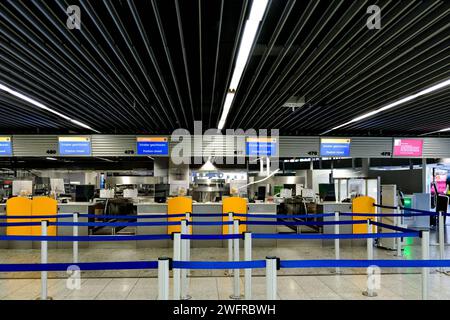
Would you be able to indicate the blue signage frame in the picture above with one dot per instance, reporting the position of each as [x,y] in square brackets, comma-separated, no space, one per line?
[74,146]
[152,146]
[335,147]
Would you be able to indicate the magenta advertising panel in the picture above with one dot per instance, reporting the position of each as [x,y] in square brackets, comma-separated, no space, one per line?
[408,147]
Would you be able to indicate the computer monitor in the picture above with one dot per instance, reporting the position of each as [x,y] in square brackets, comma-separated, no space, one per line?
[326,191]
[84,193]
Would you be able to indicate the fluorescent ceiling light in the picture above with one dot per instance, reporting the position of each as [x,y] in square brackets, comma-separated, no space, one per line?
[41,106]
[394,104]
[226,109]
[50,158]
[251,27]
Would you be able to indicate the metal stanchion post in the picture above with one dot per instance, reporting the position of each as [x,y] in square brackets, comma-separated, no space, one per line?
[336,241]
[188,242]
[184,257]
[248,272]
[425,256]
[230,241]
[271,278]
[163,278]
[75,234]
[398,240]
[176,271]
[369,292]
[236,276]
[441,239]
[44,260]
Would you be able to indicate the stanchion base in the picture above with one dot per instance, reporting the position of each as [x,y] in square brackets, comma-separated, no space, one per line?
[48,298]
[370,295]
[186,297]
[233,297]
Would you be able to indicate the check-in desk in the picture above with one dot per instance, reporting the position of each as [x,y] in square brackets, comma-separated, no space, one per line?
[263,208]
[204,208]
[331,207]
[70,208]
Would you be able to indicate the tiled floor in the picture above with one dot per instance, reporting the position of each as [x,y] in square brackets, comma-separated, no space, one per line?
[396,283]
[307,287]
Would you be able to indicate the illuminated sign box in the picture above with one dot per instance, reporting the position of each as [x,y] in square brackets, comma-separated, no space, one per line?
[5,146]
[152,146]
[408,147]
[335,147]
[261,146]
[74,146]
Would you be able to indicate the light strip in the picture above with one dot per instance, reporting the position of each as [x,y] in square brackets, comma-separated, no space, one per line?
[41,106]
[394,104]
[251,27]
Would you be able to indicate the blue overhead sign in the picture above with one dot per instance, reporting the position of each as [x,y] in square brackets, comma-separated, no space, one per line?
[335,147]
[152,146]
[261,147]
[74,146]
[5,146]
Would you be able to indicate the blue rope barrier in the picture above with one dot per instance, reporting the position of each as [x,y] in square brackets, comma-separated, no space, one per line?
[211,236]
[388,226]
[6,217]
[426,212]
[116,224]
[334,236]
[303,223]
[364,263]
[219,264]
[134,217]
[209,223]
[284,216]
[209,215]
[383,215]
[85,266]
[87,238]
[19,224]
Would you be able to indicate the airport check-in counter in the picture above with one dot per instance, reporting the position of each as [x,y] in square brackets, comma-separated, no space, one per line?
[149,209]
[204,208]
[331,207]
[63,208]
[70,208]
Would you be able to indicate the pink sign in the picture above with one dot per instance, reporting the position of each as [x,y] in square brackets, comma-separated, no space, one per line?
[408,147]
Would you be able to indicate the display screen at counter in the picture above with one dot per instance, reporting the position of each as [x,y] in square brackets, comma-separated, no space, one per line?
[74,146]
[261,146]
[5,146]
[152,146]
[408,147]
[335,147]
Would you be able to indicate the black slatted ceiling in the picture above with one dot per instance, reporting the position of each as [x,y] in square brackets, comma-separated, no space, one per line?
[153,66]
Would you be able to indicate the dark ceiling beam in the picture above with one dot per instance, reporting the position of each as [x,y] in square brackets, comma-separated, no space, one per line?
[169,61]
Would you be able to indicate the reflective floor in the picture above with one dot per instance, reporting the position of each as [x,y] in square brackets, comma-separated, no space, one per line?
[323,283]
[308,287]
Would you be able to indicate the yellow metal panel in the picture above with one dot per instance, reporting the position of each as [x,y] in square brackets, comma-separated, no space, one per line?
[235,205]
[362,205]
[176,206]
[18,206]
[44,206]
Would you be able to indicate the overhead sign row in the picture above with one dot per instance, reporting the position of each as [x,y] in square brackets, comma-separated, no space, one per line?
[159,146]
